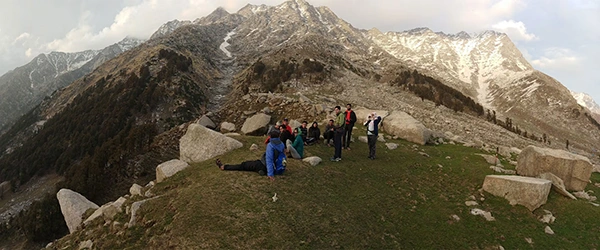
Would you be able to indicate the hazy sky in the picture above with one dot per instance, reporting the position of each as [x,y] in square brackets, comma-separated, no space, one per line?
[558,37]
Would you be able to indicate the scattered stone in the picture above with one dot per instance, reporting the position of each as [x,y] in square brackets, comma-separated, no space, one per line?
[107,211]
[424,154]
[313,160]
[320,108]
[548,230]
[380,139]
[118,204]
[391,146]
[169,168]
[135,189]
[249,112]
[574,170]
[471,203]
[529,240]
[88,244]
[440,166]
[275,197]
[254,147]
[363,139]
[227,127]
[256,125]
[597,184]
[548,218]
[5,188]
[266,110]
[490,159]
[134,209]
[584,195]
[448,157]
[557,184]
[401,124]
[200,144]
[455,217]
[487,215]
[595,204]
[206,122]
[526,191]
[150,184]
[49,245]
[149,194]
[303,99]
[472,197]
[73,205]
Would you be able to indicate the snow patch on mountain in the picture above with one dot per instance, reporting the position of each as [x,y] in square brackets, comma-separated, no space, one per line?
[225,44]
[587,101]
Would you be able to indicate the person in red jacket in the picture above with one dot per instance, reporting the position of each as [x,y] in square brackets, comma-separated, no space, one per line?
[350,119]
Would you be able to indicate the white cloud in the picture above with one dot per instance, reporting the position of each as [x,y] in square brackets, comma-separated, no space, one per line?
[20,38]
[558,59]
[515,30]
[28,53]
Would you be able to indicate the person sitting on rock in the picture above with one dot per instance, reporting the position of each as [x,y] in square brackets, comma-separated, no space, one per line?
[328,133]
[271,163]
[313,134]
[296,148]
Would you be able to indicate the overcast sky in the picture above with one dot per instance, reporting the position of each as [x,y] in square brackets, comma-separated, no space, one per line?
[559,37]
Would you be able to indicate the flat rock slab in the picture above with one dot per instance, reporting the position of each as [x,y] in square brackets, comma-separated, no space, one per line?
[574,170]
[200,144]
[73,205]
[256,125]
[168,169]
[526,191]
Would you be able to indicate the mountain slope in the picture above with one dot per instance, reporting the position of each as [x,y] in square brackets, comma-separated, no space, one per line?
[25,87]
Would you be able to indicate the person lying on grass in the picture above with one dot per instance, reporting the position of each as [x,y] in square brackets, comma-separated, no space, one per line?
[271,163]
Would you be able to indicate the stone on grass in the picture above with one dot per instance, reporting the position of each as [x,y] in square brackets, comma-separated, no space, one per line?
[548,230]
[391,146]
[88,244]
[73,205]
[200,144]
[490,159]
[548,218]
[227,127]
[134,210]
[169,168]
[254,147]
[313,160]
[574,170]
[135,189]
[526,191]
[471,203]
[363,139]
[106,211]
[485,214]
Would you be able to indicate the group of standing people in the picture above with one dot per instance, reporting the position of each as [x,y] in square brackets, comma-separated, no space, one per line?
[282,139]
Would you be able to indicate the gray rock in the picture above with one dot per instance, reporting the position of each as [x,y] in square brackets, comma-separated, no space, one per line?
[313,160]
[548,218]
[168,169]
[249,112]
[134,209]
[227,127]
[380,139]
[406,127]
[490,159]
[294,124]
[207,122]
[574,170]
[471,203]
[320,108]
[73,205]
[526,191]
[254,147]
[266,110]
[256,125]
[135,189]
[485,214]
[88,244]
[548,230]
[557,184]
[106,211]
[391,146]
[363,139]
[118,204]
[200,144]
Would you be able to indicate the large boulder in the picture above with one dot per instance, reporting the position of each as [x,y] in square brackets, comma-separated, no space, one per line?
[526,191]
[168,169]
[574,170]
[107,211]
[406,127]
[73,205]
[206,122]
[4,188]
[256,125]
[557,184]
[200,143]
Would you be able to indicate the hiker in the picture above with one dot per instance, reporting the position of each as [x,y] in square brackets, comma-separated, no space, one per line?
[271,163]
[304,130]
[349,120]
[296,148]
[372,125]
[286,124]
[271,129]
[313,134]
[284,135]
[338,126]
[328,133]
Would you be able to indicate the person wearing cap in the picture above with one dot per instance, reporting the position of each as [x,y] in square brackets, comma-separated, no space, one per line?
[372,125]
[304,131]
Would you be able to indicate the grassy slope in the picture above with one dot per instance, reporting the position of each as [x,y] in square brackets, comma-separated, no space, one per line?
[400,200]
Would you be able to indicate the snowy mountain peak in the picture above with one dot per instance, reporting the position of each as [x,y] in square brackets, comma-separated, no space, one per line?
[586,101]
[128,43]
[169,27]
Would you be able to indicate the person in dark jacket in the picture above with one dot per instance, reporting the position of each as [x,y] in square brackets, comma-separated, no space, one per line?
[304,131]
[372,125]
[272,163]
[284,134]
[329,132]
[349,120]
[338,126]
[313,134]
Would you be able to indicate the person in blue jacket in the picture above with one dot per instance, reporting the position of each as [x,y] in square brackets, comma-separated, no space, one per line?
[272,163]
[372,125]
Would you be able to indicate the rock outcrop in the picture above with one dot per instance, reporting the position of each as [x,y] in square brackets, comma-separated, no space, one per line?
[73,205]
[168,169]
[574,170]
[227,127]
[406,127]
[207,122]
[200,143]
[4,189]
[256,125]
[526,191]
[557,184]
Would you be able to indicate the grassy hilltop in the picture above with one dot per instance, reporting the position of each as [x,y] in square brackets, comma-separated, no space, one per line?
[403,199]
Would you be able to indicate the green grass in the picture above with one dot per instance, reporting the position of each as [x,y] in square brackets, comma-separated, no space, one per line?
[400,200]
